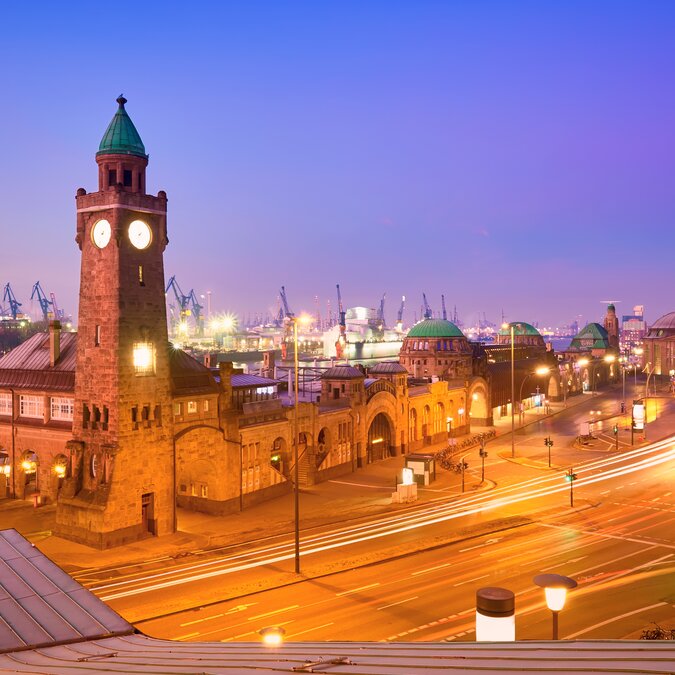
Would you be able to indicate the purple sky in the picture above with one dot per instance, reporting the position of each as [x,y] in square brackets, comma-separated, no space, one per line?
[512,155]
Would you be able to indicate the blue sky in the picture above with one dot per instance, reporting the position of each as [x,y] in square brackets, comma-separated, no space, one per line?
[515,156]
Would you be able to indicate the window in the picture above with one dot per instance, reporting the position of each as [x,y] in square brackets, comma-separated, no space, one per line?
[192,407]
[5,404]
[31,406]
[204,492]
[206,405]
[112,177]
[61,408]
[127,177]
[141,280]
[144,358]
[177,409]
[97,337]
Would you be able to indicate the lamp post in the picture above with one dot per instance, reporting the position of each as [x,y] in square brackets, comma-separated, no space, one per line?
[555,588]
[543,370]
[511,328]
[495,615]
[296,472]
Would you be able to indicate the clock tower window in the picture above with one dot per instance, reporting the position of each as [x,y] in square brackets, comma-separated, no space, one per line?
[144,358]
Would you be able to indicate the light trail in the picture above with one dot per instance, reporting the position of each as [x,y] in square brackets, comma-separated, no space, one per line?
[651,456]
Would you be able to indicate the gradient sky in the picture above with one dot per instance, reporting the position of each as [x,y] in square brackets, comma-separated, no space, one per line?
[512,155]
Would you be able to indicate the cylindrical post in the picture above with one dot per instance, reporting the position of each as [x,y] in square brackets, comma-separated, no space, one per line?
[513,396]
[495,615]
[572,492]
[555,625]
[296,489]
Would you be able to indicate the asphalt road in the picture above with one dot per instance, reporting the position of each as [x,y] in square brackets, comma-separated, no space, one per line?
[621,551]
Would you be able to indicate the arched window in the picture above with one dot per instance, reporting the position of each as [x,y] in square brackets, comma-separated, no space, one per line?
[439,418]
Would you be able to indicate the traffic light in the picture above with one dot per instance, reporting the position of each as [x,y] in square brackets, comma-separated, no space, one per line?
[616,429]
[548,442]
[570,476]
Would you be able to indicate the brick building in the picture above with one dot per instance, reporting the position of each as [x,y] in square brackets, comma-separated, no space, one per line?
[117,427]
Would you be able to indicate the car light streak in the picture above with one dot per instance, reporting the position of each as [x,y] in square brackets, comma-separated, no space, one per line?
[647,457]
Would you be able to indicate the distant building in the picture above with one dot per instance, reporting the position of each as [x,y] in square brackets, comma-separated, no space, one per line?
[659,345]
[611,325]
[633,329]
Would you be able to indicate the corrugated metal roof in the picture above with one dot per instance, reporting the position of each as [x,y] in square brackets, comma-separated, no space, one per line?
[33,354]
[188,376]
[134,654]
[51,624]
[387,367]
[41,605]
[252,381]
[341,373]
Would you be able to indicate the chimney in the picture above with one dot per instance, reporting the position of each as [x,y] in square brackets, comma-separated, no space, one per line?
[226,369]
[54,342]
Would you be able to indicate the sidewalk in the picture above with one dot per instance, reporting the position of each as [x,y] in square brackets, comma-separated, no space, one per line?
[353,495]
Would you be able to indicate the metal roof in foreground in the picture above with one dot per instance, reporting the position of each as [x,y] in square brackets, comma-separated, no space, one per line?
[51,624]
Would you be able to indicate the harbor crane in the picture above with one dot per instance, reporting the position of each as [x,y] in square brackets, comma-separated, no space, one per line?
[45,305]
[427,310]
[58,312]
[14,304]
[445,313]
[399,316]
[189,305]
[342,320]
[380,313]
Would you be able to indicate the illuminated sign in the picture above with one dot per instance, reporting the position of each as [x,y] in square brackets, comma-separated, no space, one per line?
[408,476]
[638,416]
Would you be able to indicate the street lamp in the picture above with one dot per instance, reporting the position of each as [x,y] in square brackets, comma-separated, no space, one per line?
[511,327]
[272,636]
[495,615]
[303,319]
[555,588]
[543,370]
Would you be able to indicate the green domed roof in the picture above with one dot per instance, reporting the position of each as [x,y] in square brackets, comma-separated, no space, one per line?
[435,328]
[520,328]
[121,137]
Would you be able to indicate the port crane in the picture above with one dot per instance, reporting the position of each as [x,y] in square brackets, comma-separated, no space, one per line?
[189,305]
[58,312]
[445,313]
[45,305]
[14,304]
[342,320]
[399,316]
[427,310]
[380,313]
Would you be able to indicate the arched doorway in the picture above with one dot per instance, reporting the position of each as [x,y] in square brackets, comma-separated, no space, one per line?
[29,466]
[380,439]
[60,470]
[5,472]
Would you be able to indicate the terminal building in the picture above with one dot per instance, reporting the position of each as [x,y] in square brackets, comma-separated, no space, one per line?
[117,427]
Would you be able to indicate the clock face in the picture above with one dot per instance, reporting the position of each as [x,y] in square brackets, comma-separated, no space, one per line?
[100,233]
[140,234]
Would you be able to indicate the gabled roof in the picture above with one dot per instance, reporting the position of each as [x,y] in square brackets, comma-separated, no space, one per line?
[42,606]
[121,137]
[27,366]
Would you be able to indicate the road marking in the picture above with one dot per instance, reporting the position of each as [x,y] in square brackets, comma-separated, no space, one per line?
[309,630]
[206,618]
[185,637]
[468,581]
[607,536]
[485,543]
[614,618]
[356,590]
[400,602]
[430,569]
[253,632]
[240,608]
[276,611]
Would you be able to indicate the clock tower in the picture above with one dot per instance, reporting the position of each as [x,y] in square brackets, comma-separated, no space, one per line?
[120,484]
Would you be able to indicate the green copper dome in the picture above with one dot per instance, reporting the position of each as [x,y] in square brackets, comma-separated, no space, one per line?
[520,328]
[435,328]
[121,137]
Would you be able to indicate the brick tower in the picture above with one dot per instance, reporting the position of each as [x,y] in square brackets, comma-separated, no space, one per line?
[120,484]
